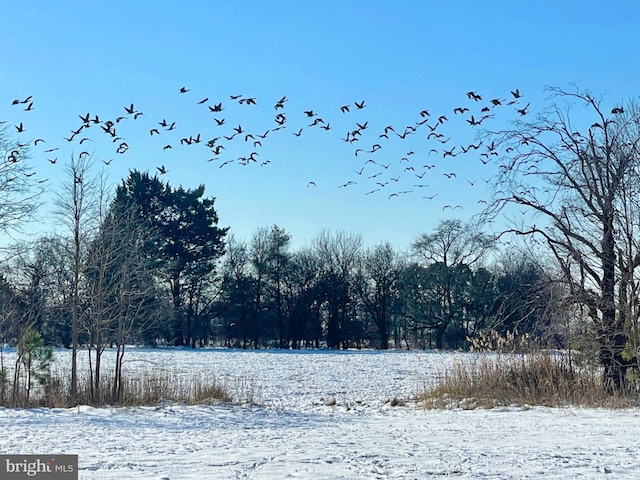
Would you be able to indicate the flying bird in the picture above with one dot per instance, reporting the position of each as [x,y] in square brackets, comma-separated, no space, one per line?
[162,169]
[350,182]
[280,103]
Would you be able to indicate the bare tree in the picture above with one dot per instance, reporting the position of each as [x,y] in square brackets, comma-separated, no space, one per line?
[380,270]
[340,254]
[19,189]
[576,167]
[76,207]
[449,252]
[237,288]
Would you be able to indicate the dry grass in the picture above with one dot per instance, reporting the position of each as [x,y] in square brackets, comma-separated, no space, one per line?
[151,389]
[146,389]
[540,378]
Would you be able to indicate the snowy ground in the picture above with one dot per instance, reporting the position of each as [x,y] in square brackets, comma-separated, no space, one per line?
[325,415]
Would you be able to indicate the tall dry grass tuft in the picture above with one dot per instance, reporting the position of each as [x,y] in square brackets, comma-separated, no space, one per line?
[540,378]
[509,369]
[154,388]
[146,389]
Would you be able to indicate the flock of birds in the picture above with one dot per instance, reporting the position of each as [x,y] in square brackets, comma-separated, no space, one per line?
[392,176]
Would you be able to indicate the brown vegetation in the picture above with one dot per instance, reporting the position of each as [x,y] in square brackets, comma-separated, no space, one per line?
[146,389]
[539,378]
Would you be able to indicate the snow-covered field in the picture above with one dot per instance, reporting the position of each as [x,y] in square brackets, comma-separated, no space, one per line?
[324,415]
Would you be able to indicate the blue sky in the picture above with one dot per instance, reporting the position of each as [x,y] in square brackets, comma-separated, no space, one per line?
[400,58]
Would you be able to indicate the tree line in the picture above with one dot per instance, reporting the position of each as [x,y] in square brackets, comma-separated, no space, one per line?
[151,266]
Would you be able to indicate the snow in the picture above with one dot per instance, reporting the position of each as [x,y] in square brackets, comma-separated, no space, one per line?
[323,415]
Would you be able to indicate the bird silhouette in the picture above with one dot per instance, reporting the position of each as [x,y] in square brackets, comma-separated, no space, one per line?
[280,103]
[162,169]
[350,182]
[360,105]
[184,90]
[448,153]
